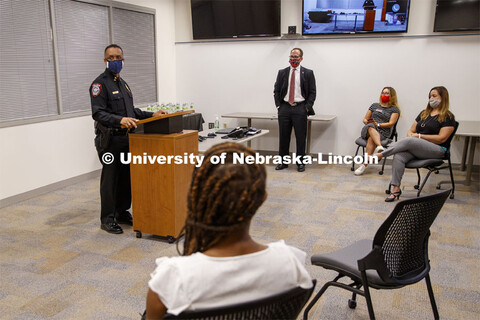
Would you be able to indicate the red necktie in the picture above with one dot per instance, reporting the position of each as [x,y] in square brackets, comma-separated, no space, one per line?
[291,94]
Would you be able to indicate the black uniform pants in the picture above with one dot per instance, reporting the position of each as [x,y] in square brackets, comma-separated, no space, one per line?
[115,189]
[289,117]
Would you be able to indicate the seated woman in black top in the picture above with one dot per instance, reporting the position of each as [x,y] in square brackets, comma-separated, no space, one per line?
[426,138]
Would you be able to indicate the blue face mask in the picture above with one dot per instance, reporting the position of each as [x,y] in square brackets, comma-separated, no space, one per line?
[115,66]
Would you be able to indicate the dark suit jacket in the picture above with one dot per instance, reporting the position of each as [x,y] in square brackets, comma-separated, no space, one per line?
[307,83]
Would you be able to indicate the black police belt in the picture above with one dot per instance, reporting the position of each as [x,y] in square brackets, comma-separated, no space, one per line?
[120,132]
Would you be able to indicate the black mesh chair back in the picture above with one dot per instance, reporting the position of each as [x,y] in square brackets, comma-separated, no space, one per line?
[397,256]
[403,239]
[286,305]
[433,165]
[449,140]
[394,134]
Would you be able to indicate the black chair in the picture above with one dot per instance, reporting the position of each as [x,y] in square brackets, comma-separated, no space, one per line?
[432,165]
[286,305]
[398,255]
[385,142]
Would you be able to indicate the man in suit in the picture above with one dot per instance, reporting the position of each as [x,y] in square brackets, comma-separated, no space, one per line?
[294,93]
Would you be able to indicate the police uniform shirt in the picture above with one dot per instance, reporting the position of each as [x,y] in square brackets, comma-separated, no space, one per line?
[112,99]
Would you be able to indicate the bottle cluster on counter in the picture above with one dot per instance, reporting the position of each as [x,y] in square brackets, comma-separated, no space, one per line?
[171,107]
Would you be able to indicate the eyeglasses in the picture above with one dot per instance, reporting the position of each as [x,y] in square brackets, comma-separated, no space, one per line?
[294,57]
[110,59]
[386,93]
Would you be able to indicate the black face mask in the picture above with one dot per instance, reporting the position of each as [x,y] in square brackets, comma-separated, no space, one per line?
[115,66]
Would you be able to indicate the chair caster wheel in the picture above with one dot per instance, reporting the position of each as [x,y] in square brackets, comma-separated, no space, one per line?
[380,173]
[170,239]
[416,186]
[387,191]
[352,304]
[138,234]
[438,187]
[351,169]
[452,196]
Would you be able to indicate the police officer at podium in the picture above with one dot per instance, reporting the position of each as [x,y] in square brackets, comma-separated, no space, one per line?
[112,108]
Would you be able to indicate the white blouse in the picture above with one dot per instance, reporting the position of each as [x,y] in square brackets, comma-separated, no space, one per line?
[200,282]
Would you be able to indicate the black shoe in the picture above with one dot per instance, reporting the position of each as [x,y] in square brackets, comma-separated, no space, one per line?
[396,196]
[124,218]
[301,168]
[281,166]
[111,227]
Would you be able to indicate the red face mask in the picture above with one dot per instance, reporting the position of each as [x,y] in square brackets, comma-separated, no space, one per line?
[385,98]
[294,63]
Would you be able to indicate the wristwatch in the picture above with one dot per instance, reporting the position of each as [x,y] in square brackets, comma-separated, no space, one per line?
[378,125]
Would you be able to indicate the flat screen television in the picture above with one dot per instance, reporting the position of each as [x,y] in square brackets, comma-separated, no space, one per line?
[354,16]
[457,15]
[213,19]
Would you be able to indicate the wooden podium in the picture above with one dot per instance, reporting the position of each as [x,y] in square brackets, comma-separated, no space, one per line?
[159,190]
[369,22]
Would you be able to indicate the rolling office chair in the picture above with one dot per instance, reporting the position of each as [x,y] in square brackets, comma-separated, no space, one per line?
[385,142]
[397,256]
[432,165]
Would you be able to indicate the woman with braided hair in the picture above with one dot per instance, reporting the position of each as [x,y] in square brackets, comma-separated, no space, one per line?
[221,264]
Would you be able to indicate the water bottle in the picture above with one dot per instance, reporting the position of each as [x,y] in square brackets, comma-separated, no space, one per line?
[217,124]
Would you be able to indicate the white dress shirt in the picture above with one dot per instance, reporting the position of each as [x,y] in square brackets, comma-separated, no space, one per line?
[298,90]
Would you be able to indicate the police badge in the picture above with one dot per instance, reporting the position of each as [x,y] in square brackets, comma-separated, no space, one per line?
[96,89]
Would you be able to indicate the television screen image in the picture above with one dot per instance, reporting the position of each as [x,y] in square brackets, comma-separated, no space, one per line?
[457,15]
[354,16]
[213,19]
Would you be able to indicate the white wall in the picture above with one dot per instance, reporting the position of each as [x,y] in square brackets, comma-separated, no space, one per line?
[230,76]
[44,153]
[36,155]
[223,77]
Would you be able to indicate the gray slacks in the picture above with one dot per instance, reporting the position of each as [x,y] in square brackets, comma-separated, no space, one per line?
[408,149]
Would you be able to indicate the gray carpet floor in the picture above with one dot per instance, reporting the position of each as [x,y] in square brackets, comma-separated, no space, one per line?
[56,263]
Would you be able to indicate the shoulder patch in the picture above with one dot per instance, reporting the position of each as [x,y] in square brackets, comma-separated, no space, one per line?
[96,89]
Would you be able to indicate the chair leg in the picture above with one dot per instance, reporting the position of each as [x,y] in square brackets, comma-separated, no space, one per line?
[315,299]
[389,190]
[452,195]
[424,181]
[418,179]
[432,298]
[356,153]
[352,303]
[383,166]
[367,296]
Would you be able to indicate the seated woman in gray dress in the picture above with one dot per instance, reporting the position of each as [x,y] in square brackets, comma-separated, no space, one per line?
[221,264]
[379,122]
[426,138]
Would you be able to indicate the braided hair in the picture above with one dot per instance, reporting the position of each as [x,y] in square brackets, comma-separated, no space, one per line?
[222,198]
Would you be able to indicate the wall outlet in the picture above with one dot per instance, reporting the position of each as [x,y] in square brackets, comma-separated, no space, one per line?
[292,29]
[211,125]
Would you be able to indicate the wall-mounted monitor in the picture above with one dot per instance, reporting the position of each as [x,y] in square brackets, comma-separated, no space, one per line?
[457,15]
[354,16]
[213,19]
